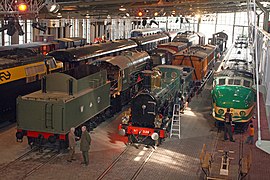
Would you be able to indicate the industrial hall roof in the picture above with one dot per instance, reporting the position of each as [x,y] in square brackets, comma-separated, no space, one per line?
[144,8]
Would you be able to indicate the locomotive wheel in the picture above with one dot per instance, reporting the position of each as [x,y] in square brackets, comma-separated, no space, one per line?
[108,113]
[131,139]
[31,142]
[62,145]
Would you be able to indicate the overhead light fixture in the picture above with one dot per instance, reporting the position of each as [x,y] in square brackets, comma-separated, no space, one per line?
[122,8]
[52,6]
[87,15]
[11,26]
[22,7]
[153,22]
[197,16]
[38,26]
[265,3]
[59,15]
[140,14]
[156,13]
[127,14]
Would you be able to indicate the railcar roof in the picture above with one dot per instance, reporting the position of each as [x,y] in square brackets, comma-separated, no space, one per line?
[180,68]
[14,61]
[127,59]
[198,54]
[174,44]
[94,50]
[235,73]
[151,38]
[206,48]
[26,45]
[166,49]
[147,30]
[70,39]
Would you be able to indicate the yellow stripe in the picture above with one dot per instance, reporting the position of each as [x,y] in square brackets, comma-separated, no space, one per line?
[19,72]
[235,112]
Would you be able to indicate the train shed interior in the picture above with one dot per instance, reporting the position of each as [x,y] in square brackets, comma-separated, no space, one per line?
[134,89]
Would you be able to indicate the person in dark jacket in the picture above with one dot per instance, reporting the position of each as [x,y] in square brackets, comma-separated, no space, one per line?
[72,143]
[85,145]
[228,125]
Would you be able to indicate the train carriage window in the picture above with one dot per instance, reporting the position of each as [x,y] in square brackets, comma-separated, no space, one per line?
[237,82]
[246,83]
[221,82]
[34,70]
[230,81]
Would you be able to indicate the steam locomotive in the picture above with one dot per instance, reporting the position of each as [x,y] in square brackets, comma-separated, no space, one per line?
[85,95]
[152,107]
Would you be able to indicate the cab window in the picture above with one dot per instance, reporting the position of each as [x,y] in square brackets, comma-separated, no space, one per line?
[237,82]
[230,81]
[221,82]
[246,83]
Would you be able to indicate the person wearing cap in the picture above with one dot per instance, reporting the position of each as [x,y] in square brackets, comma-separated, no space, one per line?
[85,145]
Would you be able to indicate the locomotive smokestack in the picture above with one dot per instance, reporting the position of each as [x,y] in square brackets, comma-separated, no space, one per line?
[43,88]
[147,79]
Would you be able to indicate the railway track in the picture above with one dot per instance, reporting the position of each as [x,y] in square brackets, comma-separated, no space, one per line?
[122,163]
[28,163]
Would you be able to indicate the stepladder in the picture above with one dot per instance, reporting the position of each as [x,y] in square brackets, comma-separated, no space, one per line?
[176,121]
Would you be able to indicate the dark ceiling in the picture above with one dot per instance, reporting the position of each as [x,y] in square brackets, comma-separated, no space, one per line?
[103,8]
[149,7]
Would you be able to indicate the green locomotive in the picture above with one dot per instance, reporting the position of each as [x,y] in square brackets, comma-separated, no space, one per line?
[233,89]
[150,107]
[87,94]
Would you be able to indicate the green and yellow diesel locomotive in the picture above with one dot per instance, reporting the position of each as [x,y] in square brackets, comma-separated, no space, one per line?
[233,89]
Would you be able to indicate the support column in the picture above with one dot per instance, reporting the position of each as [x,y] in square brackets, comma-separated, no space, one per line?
[199,22]
[266,15]
[234,14]
[216,23]
[265,21]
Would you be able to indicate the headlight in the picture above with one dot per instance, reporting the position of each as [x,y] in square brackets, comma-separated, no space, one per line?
[155,136]
[242,113]
[220,111]
[122,132]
